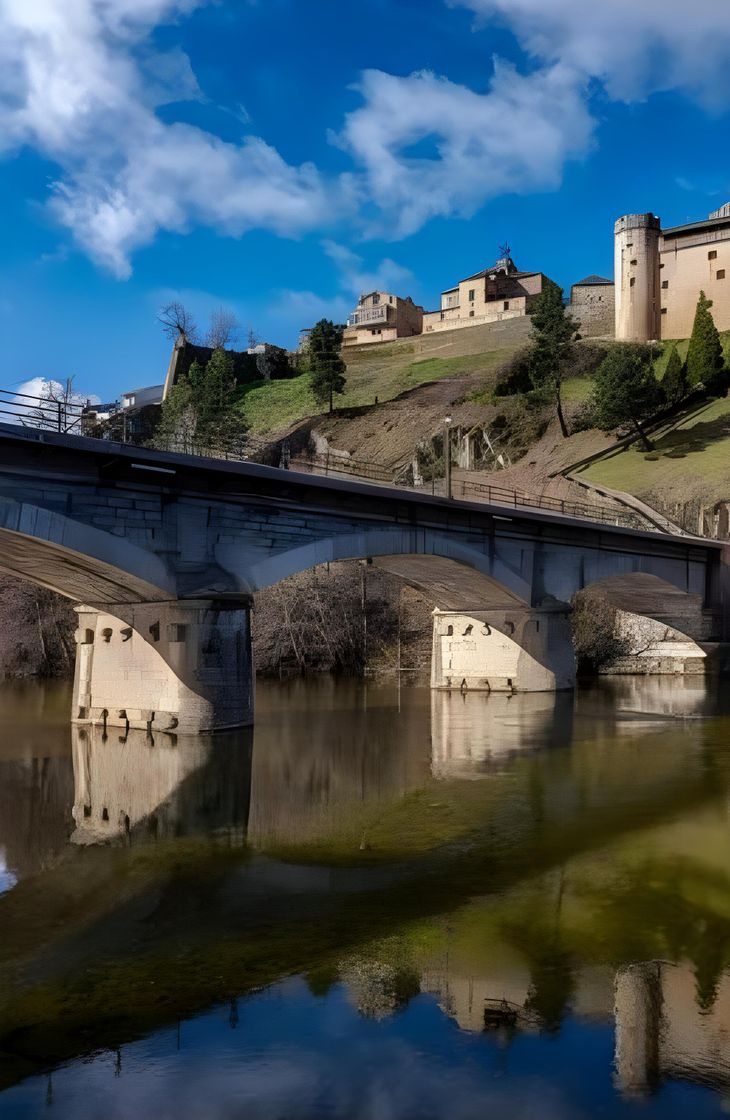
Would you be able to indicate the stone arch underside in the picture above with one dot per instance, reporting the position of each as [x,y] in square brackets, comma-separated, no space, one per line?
[643,594]
[457,576]
[78,561]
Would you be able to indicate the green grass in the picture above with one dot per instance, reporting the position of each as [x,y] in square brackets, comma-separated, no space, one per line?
[697,450]
[577,389]
[693,452]
[270,405]
[384,372]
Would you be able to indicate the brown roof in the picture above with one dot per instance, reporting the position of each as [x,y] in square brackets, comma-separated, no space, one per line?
[487,271]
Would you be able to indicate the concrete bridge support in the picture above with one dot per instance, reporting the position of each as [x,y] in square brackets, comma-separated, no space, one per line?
[173,666]
[506,650]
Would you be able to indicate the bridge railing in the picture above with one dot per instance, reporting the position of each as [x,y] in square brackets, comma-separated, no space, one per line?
[498,495]
[61,414]
[55,412]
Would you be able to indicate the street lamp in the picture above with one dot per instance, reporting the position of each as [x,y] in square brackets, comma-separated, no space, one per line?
[447,454]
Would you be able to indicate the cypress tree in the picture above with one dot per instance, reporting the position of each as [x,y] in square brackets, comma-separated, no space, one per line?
[553,330]
[326,367]
[674,382]
[705,361]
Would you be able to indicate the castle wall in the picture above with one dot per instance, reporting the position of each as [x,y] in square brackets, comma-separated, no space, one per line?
[687,267]
[488,313]
[594,306]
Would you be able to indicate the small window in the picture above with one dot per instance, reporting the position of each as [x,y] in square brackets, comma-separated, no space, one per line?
[376,298]
[712,255]
[634,262]
[471,294]
[506,305]
[632,281]
[665,283]
[720,274]
[471,314]
[664,311]
[442,316]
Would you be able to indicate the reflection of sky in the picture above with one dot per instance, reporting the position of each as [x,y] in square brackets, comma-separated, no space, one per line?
[7,879]
[293,1056]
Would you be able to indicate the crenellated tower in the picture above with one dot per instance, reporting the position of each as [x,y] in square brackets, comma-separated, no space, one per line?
[638,312]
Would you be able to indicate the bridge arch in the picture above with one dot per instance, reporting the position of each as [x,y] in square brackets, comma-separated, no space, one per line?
[79,561]
[457,575]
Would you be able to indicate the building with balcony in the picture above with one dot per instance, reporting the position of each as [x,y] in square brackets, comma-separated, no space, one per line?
[500,292]
[382,317]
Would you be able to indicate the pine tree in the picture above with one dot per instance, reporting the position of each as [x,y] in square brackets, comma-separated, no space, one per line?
[674,382]
[627,390]
[178,424]
[553,330]
[197,415]
[705,361]
[326,367]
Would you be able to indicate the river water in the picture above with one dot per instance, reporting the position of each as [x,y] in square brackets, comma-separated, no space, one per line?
[378,904]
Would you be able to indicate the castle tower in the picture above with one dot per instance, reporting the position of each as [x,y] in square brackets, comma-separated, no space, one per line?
[637,277]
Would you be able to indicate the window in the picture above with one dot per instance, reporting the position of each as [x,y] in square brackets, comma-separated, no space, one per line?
[506,305]
[471,314]
[471,294]
[664,311]
[712,255]
[376,299]
[665,283]
[634,262]
[632,281]
[442,316]
[720,274]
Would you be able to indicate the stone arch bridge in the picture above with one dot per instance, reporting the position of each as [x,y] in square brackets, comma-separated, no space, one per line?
[163,553]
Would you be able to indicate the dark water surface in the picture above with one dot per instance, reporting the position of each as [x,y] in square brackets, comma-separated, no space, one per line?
[376,905]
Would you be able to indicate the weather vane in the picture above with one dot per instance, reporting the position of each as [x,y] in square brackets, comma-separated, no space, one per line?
[505,250]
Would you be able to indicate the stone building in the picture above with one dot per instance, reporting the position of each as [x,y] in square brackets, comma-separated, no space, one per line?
[592,303]
[496,293]
[382,317]
[660,274]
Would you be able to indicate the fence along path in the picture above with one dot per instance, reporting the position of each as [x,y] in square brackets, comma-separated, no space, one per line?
[64,415]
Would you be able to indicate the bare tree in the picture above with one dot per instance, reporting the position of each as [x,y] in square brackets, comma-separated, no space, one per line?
[178,323]
[224,329]
[58,408]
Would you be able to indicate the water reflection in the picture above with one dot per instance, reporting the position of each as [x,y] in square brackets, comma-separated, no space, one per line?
[158,786]
[475,733]
[580,891]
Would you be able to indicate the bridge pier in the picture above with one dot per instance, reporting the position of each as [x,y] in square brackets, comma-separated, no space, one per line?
[182,665]
[506,650]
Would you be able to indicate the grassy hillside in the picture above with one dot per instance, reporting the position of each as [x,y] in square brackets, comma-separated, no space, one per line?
[692,456]
[385,370]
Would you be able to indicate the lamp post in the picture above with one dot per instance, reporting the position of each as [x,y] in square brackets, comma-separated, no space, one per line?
[447,454]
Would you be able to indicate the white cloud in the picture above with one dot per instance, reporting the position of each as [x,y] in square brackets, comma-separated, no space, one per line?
[388,276]
[34,403]
[635,47]
[514,138]
[80,83]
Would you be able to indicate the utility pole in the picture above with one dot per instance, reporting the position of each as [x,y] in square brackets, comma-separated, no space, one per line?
[447,454]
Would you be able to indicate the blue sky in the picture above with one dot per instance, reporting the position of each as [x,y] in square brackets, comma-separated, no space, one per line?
[276,157]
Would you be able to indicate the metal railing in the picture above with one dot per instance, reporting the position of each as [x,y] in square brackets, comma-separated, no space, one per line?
[47,413]
[500,496]
[62,415]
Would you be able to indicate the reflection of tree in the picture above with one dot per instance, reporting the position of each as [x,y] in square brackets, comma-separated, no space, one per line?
[379,988]
[666,909]
[538,936]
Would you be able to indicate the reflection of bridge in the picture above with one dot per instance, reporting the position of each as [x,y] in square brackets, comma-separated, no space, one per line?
[165,552]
